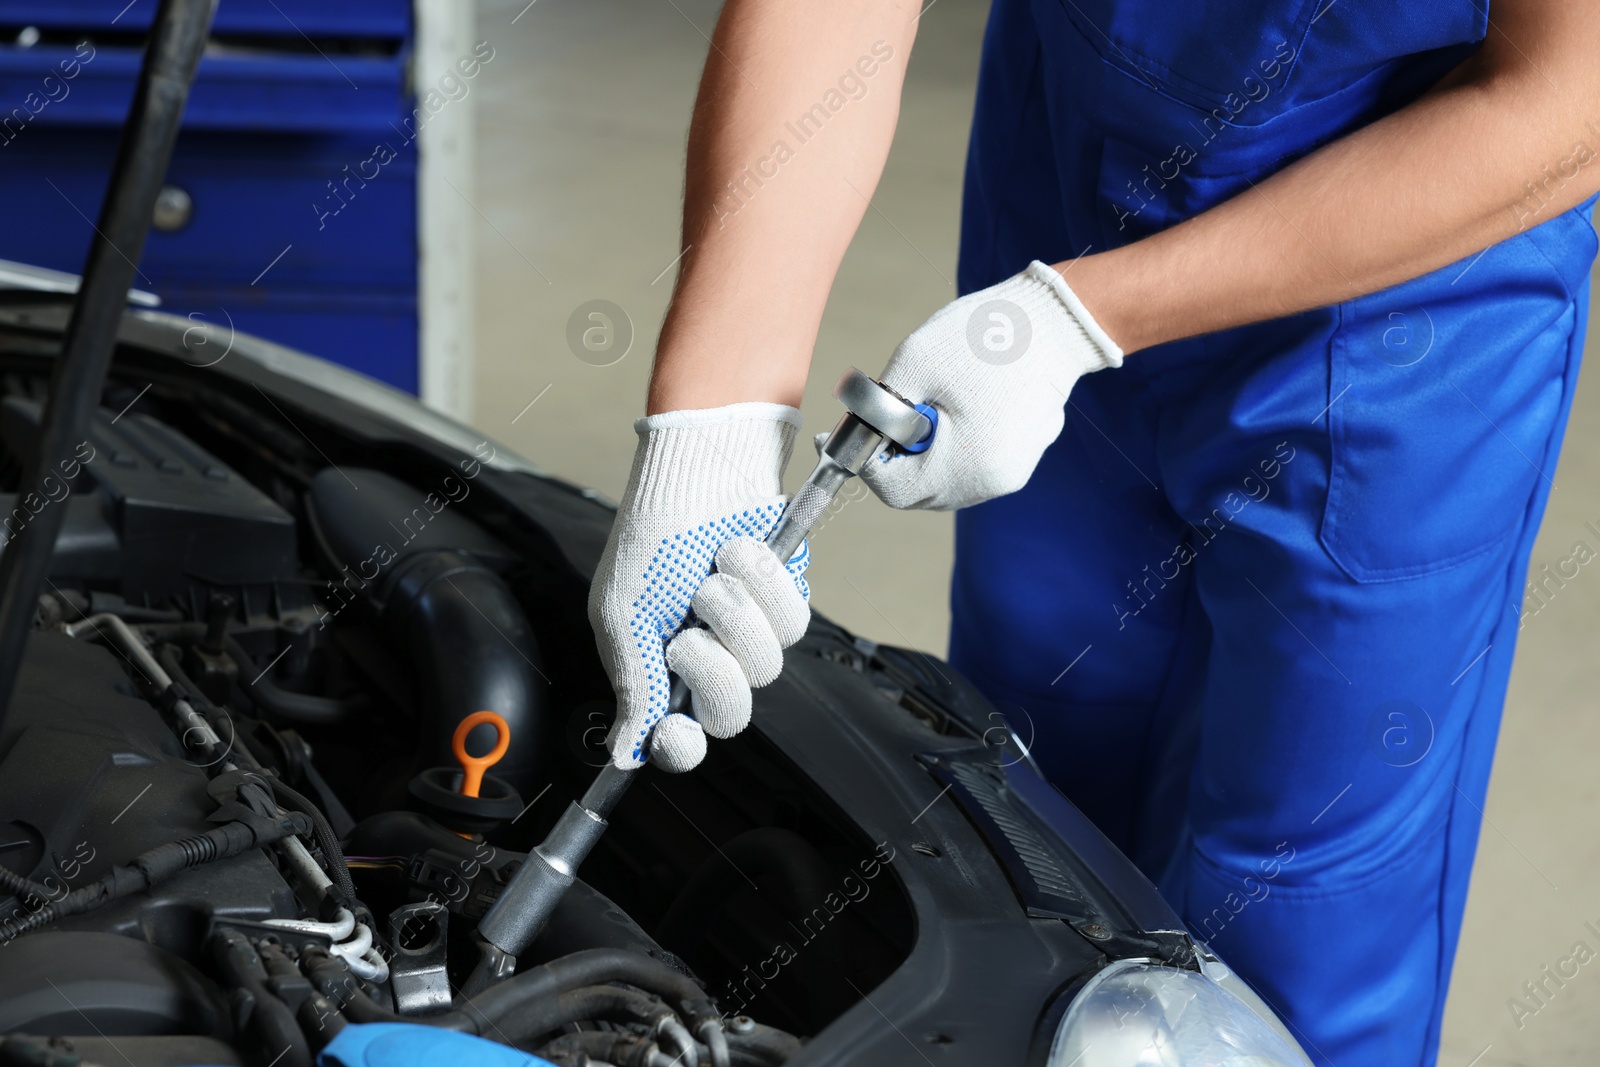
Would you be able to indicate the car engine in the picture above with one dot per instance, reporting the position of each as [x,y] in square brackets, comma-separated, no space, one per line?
[231,814]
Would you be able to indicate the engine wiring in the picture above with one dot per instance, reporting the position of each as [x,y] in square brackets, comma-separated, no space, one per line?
[655,1015]
[355,942]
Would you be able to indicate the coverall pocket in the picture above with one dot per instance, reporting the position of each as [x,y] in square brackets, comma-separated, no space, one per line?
[1229,54]
[1246,62]
[1444,396]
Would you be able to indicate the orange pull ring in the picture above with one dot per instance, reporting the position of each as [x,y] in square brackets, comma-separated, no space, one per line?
[472,767]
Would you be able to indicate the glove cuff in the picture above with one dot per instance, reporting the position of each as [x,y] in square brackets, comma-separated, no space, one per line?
[753,411]
[1108,349]
[716,457]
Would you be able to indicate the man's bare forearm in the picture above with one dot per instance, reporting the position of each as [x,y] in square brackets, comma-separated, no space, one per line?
[1431,184]
[791,128]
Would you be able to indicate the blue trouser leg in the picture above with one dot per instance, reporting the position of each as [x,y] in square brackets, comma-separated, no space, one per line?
[1055,674]
[1293,732]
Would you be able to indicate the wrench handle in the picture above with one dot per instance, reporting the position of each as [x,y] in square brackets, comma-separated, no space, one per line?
[808,504]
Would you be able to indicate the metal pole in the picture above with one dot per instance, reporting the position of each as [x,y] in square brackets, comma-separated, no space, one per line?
[177,37]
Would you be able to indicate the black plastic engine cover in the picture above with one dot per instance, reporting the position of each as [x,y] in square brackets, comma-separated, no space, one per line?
[83,984]
[90,776]
[152,509]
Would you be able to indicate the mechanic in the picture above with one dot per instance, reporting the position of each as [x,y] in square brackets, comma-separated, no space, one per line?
[1305,286]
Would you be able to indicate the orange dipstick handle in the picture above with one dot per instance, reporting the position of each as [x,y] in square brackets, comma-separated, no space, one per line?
[472,767]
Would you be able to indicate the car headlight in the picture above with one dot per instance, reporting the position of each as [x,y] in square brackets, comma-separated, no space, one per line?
[1139,1014]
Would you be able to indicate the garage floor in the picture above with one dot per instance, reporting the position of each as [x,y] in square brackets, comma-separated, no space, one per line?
[581,122]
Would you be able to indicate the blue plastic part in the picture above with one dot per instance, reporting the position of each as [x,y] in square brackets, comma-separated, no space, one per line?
[414,1045]
[933,428]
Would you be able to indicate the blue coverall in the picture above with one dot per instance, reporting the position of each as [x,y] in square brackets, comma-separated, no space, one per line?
[1258,603]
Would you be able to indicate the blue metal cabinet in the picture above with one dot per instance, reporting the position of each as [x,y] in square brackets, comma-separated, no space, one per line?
[294,210]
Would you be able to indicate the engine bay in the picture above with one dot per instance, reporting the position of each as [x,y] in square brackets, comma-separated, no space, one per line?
[231,820]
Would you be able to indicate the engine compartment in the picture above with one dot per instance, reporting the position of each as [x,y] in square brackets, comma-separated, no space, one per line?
[229,822]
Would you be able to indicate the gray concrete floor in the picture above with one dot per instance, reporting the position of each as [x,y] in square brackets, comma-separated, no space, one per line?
[581,124]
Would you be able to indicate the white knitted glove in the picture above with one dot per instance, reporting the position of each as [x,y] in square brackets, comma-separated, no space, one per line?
[998,365]
[704,490]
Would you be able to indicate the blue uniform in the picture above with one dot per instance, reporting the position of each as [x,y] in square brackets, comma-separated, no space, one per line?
[1258,603]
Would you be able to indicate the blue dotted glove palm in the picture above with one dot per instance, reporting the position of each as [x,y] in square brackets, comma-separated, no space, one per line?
[701,498]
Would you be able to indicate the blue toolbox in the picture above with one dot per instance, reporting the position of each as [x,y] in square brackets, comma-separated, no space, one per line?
[290,208]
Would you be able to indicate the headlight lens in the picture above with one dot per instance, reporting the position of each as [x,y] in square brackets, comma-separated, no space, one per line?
[1137,1014]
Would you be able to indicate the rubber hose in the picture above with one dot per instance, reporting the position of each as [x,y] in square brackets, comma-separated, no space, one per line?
[320,1021]
[601,1002]
[506,1004]
[297,707]
[586,968]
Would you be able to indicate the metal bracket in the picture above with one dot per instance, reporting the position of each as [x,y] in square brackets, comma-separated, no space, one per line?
[419,934]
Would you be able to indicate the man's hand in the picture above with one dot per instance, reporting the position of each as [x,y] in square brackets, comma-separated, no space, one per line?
[998,366]
[703,494]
